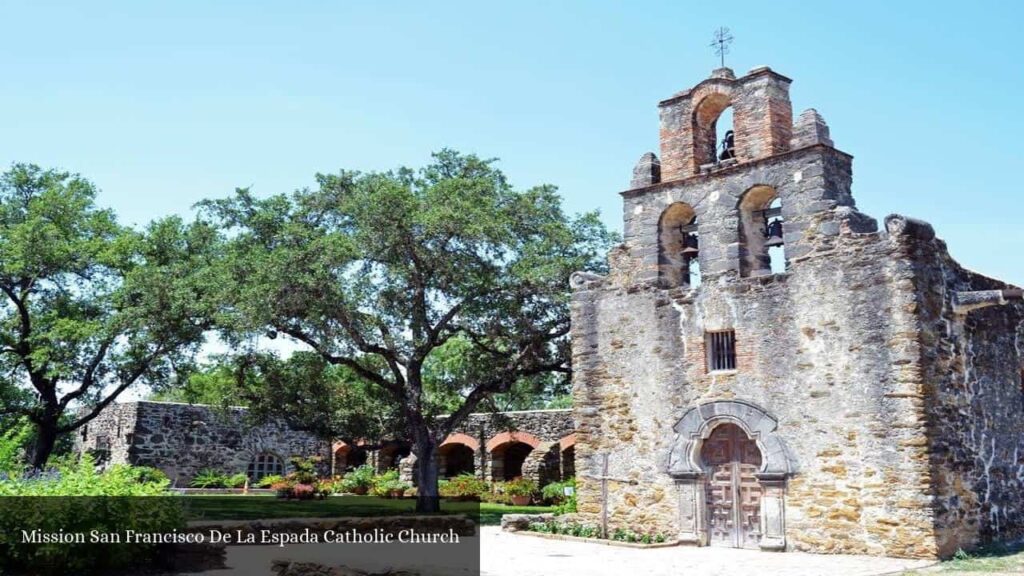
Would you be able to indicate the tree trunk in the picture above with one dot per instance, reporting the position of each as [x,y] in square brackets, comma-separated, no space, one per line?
[425,448]
[46,439]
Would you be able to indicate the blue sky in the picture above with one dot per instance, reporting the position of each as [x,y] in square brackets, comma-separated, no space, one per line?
[163,104]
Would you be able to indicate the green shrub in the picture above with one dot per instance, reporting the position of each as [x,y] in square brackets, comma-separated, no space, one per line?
[590,531]
[463,487]
[305,470]
[388,485]
[208,478]
[236,480]
[268,481]
[73,514]
[283,488]
[150,475]
[359,480]
[496,494]
[12,444]
[554,493]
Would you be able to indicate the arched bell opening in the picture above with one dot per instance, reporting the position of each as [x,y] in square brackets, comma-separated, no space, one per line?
[678,246]
[731,461]
[762,249]
[713,130]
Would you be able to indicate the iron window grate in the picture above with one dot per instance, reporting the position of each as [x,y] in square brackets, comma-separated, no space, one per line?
[721,348]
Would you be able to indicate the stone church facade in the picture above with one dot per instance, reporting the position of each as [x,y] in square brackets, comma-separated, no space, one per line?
[826,385]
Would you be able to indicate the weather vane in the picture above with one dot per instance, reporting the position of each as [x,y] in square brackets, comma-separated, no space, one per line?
[721,43]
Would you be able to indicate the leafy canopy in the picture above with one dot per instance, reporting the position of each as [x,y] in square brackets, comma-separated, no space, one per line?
[89,307]
[441,287]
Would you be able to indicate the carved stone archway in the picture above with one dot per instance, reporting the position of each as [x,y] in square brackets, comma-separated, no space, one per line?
[684,465]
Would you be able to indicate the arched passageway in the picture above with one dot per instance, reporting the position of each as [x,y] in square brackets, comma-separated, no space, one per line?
[455,459]
[507,460]
[348,457]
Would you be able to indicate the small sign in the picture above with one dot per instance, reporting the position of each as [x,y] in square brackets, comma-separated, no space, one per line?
[568,490]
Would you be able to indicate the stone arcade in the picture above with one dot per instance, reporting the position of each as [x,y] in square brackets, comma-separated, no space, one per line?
[182,439]
[865,397]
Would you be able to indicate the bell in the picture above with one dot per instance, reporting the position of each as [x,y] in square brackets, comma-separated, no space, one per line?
[690,245]
[773,234]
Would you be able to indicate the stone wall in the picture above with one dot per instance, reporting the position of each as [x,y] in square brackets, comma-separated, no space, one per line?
[182,439]
[536,444]
[821,349]
[972,365]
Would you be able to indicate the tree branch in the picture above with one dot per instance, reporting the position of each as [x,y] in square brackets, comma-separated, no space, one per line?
[88,379]
[338,360]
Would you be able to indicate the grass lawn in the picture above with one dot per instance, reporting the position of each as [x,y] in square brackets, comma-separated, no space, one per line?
[222,507]
[1000,561]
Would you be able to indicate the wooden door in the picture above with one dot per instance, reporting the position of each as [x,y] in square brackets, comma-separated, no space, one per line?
[731,459]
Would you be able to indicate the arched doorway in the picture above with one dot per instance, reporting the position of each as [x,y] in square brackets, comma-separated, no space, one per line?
[390,454]
[348,457]
[455,459]
[507,460]
[731,460]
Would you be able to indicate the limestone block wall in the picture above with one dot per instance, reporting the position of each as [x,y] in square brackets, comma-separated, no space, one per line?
[829,349]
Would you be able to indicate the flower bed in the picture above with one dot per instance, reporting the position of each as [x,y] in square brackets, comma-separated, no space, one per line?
[553,529]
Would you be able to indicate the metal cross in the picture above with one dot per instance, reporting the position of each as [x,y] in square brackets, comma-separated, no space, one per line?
[721,42]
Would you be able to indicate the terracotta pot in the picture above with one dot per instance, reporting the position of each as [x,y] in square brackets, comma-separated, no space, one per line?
[520,500]
[360,490]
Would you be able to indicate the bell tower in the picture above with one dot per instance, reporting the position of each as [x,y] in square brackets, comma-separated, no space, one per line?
[762,116]
[750,192]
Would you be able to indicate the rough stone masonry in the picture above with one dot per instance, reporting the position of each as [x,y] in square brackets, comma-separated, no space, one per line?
[839,388]
[183,439]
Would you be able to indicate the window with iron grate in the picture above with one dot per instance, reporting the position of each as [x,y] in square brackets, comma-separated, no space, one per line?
[265,464]
[721,350]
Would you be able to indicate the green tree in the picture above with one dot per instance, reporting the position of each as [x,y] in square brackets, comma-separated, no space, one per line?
[214,384]
[376,272]
[88,307]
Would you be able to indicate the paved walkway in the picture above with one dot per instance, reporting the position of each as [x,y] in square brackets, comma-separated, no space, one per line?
[506,554]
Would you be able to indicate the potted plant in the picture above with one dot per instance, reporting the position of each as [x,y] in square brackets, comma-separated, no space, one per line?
[520,490]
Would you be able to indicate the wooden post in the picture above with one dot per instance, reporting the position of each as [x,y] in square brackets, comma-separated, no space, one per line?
[604,497]
[604,478]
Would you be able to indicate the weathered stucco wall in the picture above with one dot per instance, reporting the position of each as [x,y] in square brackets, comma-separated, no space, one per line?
[825,349]
[973,364]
